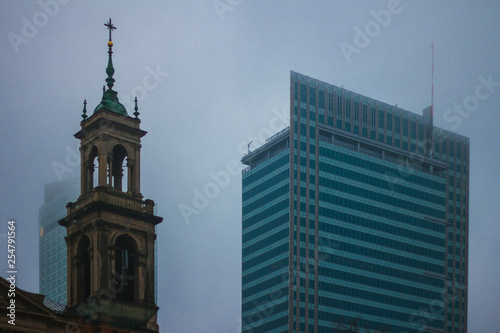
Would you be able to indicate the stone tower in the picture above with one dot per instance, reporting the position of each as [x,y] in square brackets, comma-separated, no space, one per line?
[111,228]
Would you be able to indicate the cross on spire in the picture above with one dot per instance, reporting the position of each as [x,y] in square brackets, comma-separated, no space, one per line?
[110,70]
[110,27]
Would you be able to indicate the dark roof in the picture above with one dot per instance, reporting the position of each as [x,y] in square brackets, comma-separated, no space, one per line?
[45,306]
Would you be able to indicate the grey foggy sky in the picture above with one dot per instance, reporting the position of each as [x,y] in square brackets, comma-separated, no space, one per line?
[222,78]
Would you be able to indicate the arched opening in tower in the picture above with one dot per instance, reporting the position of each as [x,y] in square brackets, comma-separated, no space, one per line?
[125,267]
[83,270]
[119,169]
[93,169]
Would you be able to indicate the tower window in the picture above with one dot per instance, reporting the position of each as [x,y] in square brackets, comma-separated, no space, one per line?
[125,268]
[330,105]
[365,115]
[348,110]
[83,269]
[339,107]
[118,168]
[93,169]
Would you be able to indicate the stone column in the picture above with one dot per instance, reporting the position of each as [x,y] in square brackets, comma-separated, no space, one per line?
[103,169]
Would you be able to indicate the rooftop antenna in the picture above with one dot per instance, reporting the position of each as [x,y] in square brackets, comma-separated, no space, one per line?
[429,115]
[432,84]
[249,146]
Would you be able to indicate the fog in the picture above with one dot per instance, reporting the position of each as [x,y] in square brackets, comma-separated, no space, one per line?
[211,76]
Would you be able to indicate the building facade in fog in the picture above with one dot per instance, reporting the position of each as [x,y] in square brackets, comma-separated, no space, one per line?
[111,227]
[357,211]
[108,232]
[52,247]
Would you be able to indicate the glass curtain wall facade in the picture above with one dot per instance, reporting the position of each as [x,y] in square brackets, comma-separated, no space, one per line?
[52,246]
[377,219]
[266,238]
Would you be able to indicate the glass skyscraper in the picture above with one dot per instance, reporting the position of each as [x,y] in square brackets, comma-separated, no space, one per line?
[52,246]
[358,212]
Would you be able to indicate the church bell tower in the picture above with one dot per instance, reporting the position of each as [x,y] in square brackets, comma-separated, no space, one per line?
[111,228]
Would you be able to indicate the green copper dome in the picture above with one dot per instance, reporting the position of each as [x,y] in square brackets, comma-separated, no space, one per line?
[110,102]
